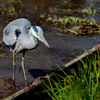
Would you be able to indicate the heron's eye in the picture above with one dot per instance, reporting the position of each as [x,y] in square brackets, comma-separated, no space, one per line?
[38,34]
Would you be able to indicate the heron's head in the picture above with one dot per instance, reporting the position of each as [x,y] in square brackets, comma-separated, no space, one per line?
[37,32]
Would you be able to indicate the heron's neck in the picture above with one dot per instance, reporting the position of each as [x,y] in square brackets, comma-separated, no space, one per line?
[32,38]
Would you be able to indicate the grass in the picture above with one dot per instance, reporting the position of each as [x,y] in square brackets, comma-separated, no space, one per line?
[90,11]
[82,84]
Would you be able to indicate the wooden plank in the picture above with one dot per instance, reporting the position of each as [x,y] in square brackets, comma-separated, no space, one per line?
[37,82]
[80,57]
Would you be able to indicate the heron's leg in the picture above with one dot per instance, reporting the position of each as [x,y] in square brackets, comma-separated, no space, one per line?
[14,65]
[23,58]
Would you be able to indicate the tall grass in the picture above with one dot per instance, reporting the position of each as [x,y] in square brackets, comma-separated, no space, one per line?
[82,84]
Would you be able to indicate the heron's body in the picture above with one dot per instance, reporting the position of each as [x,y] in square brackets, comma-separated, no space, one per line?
[22,38]
[20,35]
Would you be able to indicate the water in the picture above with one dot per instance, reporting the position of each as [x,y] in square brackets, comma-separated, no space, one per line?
[63,48]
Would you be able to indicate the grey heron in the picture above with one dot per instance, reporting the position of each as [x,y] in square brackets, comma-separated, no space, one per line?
[20,36]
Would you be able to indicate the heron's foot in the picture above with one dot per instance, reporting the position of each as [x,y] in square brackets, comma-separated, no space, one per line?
[14,86]
[26,83]
[27,87]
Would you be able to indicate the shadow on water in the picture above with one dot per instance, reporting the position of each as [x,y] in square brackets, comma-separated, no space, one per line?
[53,6]
[38,72]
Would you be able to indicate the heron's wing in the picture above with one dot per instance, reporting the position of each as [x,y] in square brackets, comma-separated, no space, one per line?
[13,30]
[10,35]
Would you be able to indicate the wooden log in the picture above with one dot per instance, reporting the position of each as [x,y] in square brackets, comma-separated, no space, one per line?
[37,82]
[80,57]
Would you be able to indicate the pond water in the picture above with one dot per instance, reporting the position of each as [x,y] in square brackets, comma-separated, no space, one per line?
[63,48]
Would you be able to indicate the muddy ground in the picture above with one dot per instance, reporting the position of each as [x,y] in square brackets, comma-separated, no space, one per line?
[37,62]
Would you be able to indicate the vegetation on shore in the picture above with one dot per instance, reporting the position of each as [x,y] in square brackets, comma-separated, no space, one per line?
[86,25]
[82,84]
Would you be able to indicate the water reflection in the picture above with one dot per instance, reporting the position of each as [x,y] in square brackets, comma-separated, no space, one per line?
[50,6]
[37,6]
[77,4]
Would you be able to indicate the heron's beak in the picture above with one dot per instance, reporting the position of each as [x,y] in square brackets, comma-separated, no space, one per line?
[44,41]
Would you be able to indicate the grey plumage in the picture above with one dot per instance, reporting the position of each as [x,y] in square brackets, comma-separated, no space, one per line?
[21,35]
[17,32]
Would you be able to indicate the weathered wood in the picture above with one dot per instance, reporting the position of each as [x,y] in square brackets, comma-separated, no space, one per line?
[80,57]
[37,82]
[14,95]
